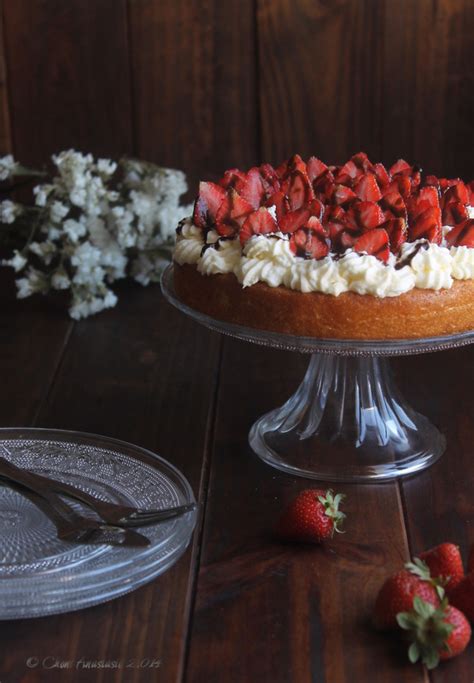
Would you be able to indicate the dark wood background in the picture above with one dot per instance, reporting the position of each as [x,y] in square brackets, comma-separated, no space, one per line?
[203,86]
[208,84]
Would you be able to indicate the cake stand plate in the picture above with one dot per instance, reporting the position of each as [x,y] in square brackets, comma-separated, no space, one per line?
[347,420]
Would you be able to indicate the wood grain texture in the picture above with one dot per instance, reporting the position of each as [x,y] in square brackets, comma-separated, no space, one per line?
[439,502]
[194,83]
[68,77]
[33,334]
[388,77]
[266,611]
[5,133]
[321,74]
[145,374]
[428,105]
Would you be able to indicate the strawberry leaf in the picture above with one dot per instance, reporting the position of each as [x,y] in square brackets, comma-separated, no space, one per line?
[414,653]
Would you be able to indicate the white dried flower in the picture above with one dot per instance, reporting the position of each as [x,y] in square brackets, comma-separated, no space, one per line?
[53,233]
[97,227]
[60,280]
[74,229]
[8,166]
[83,307]
[86,259]
[34,282]
[123,228]
[106,166]
[58,211]
[42,193]
[9,211]
[46,251]
[17,262]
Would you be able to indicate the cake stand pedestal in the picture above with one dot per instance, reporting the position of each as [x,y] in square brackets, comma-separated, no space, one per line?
[347,421]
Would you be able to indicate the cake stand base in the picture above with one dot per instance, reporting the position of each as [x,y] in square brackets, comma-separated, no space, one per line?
[347,422]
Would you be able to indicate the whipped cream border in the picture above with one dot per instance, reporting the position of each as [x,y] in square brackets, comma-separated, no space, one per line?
[269,259]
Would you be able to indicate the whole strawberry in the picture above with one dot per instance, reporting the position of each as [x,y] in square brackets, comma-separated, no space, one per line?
[311,517]
[445,562]
[436,633]
[399,591]
[462,596]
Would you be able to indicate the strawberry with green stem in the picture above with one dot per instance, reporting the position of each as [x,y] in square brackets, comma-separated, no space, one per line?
[436,633]
[445,563]
[311,517]
[399,591]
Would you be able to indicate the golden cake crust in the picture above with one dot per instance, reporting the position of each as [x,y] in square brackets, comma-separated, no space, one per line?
[418,313]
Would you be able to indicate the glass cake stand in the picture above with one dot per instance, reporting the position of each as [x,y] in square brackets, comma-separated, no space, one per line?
[347,421]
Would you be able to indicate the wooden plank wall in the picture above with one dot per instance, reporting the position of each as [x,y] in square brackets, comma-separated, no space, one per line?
[207,84]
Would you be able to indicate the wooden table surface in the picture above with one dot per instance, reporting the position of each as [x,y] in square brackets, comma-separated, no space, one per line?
[238,606]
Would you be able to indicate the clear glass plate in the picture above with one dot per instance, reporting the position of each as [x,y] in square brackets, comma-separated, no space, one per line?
[39,574]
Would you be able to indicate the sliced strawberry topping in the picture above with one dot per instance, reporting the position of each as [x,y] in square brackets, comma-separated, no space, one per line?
[343,195]
[343,204]
[382,176]
[351,220]
[427,225]
[282,170]
[401,184]
[251,189]
[308,244]
[462,235]
[444,183]
[231,177]
[300,192]
[348,174]
[429,194]
[367,189]
[316,208]
[280,201]
[335,229]
[432,180]
[257,223]
[374,242]
[334,213]
[361,160]
[232,213]
[397,232]
[417,206]
[342,227]
[294,220]
[269,178]
[347,240]
[296,163]
[368,215]
[470,187]
[457,193]
[415,178]
[324,186]
[400,166]
[207,203]
[454,213]
[316,226]
[315,168]
[393,201]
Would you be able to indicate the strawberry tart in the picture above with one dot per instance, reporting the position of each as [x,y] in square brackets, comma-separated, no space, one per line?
[356,251]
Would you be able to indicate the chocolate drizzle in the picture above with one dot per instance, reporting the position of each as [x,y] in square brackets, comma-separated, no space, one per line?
[216,245]
[409,258]
[181,224]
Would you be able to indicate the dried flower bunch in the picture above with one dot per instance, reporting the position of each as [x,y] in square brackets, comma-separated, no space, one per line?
[96,222]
